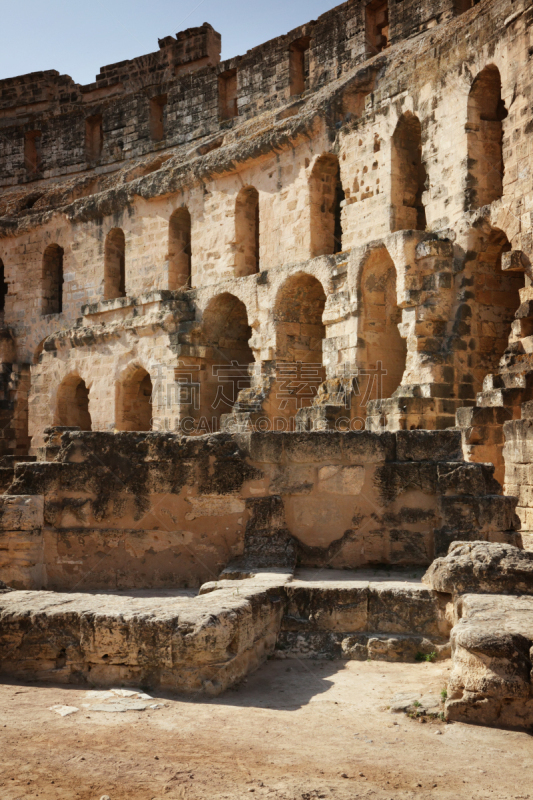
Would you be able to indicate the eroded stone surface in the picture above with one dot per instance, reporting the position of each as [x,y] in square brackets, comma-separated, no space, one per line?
[482,567]
[492,648]
[202,644]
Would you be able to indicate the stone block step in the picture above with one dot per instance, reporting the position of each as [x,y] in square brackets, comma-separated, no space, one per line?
[166,640]
[363,602]
[361,646]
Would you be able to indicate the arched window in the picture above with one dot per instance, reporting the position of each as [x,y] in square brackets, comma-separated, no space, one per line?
[484,318]
[3,286]
[179,250]
[72,409]
[134,401]
[326,196]
[381,350]
[52,280]
[486,110]
[115,265]
[408,176]
[247,232]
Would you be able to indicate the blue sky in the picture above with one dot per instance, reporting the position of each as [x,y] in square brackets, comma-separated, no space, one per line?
[77,37]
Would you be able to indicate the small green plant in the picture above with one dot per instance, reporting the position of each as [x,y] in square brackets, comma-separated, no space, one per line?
[444,695]
[417,704]
[427,657]
[442,717]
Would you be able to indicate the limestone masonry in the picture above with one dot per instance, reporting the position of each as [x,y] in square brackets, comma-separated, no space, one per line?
[266,318]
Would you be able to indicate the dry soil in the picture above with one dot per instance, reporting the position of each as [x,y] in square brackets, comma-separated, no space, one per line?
[294,730]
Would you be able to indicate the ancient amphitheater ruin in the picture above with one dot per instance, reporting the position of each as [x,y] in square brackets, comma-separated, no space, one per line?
[266,344]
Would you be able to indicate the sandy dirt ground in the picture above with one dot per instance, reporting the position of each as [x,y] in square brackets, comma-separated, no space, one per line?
[294,731]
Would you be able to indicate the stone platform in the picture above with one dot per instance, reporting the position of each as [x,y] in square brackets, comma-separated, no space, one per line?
[206,643]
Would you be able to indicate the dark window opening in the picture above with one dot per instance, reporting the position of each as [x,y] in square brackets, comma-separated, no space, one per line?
[179,250]
[3,286]
[325,196]
[227,94]
[377,27]
[115,265]
[299,65]
[247,232]
[52,280]
[460,6]
[157,117]
[340,197]
[94,137]
[32,152]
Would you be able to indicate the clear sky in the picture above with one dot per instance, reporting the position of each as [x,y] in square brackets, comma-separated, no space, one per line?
[77,37]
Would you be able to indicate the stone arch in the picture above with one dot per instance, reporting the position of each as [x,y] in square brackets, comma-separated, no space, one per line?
[381,350]
[115,265]
[484,322]
[133,406]
[52,280]
[485,113]
[408,175]
[300,333]
[326,196]
[227,333]
[179,250]
[247,232]
[72,404]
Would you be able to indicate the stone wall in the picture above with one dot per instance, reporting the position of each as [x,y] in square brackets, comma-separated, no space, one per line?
[347,227]
[160,511]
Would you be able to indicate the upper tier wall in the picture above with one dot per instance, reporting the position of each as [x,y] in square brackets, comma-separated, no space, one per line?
[187,81]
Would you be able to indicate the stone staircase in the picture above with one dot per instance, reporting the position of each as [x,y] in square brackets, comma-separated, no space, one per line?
[381,615]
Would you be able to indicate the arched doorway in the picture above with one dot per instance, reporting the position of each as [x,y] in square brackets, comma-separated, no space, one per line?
[408,176]
[486,111]
[325,198]
[72,406]
[381,350]
[300,333]
[179,250]
[134,401]
[247,228]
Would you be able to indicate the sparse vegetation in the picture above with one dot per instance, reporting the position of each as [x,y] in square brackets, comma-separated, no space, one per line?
[426,657]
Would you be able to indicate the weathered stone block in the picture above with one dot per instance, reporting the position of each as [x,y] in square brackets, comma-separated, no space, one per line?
[429,446]
[482,567]
[364,447]
[341,480]
[21,512]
